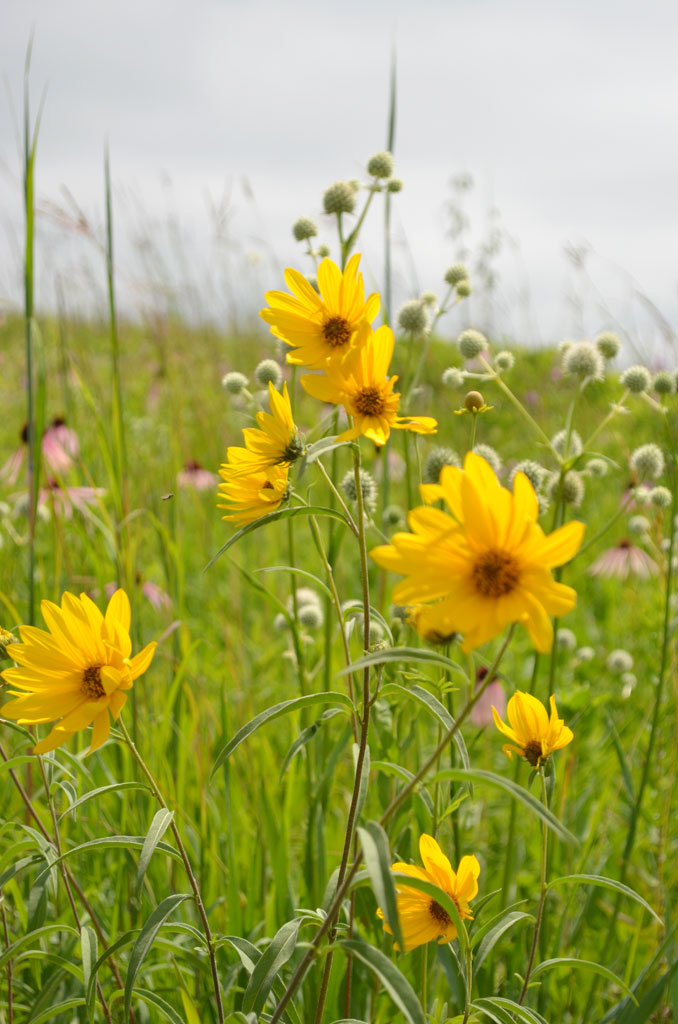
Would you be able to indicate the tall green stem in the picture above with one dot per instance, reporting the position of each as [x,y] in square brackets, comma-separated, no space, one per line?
[542,890]
[187,867]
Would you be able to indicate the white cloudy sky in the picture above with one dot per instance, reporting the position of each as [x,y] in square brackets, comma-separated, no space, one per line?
[564,113]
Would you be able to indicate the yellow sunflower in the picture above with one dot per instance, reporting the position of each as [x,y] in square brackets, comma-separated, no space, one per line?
[360,383]
[533,734]
[487,566]
[320,325]
[276,442]
[251,494]
[78,672]
[422,919]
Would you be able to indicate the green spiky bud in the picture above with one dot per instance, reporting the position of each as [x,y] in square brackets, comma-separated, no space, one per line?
[381,165]
[339,198]
[304,228]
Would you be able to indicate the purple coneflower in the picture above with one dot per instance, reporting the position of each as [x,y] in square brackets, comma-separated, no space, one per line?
[64,499]
[194,475]
[59,447]
[481,714]
[624,560]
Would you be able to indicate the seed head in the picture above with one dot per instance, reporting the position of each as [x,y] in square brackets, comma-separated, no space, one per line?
[280,622]
[638,525]
[647,461]
[393,514]
[574,447]
[628,681]
[464,289]
[394,185]
[305,595]
[436,460]
[597,467]
[429,298]
[339,198]
[380,165]
[490,455]
[504,361]
[268,372]
[572,492]
[566,639]
[664,383]
[608,344]
[661,497]
[637,379]
[619,661]
[471,343]
[584,360]
[304,228]
[368,486]
[456,273]
[311,616]
[234,382]
[534,472]
[323,251]
[413,317]
[586,654]
[452,377]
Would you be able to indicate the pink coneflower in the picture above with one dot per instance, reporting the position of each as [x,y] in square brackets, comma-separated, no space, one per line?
[481,714]
[624,560]
[194,475]
[59,447]
[62,500]
[154,594]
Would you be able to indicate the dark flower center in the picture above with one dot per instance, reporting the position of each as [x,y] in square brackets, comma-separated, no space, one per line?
[533,753]
[438,914]
[370,401]
[337,331]
[495,574]
[91,683]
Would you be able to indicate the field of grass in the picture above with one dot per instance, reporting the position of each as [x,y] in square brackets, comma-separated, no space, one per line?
[264,832]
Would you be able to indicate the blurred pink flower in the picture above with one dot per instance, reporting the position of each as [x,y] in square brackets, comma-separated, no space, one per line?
[193,475]
[59,447]
[624,560]
[62,500]
[156,595]
[481,714]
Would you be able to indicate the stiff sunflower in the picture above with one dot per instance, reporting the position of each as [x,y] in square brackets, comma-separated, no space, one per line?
[252,494]
[487,566]
[532,733]
[275,442]
[320,325]
[422,919]
[78,672]
[360,383]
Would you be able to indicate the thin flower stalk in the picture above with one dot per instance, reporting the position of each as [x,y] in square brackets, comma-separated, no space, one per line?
[187,867]
[407,789]
[520,407]
[542,890]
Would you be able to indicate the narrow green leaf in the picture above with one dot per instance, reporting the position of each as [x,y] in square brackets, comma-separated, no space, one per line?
[395,983]
[287,569]
[153,999]
[25,940]
[364,778]
[515,1010]
[439,710]
[125,940]
[93,793]
[88,948]
[389,768]
[283,513]
[162,820]
[275,956]
[145,940]
[514,790]
[317,449]
[606,883]
[16,762]
[57,1008]
[495,933]
[584,965]
[642,1013]
[378,860]
[404,654]
[275,712]
[112,843]
[305,737]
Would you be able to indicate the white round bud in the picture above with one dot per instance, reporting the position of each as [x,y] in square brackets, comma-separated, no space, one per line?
[586,654]
[661,497]
[471,343]
[323,251]
[234,382]
[456,273]
[570,490]
[638,525]
[504,360]
[453,377]
[429,298]
[664,383]
[368,486]
[559,442]
[381,165]
[608,344]
[647,461]
[464,289]
[304,228]
[488,453]
[619,661]
[636,379]
[436,460]
[268,372]
[311,616]
[339,198]
[394,185]
[584,360]
[566,639]
[597,468]
[413,317]
[534,472]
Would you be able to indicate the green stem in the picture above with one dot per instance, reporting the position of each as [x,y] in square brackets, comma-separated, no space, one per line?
[353,237]
[611,414]
[10,979]
[342,889]
[469,982]
[187,867]
[364,724]
[521,408]
[33,442]
[542,891]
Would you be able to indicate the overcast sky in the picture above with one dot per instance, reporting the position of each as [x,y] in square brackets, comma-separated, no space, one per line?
[565,114]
